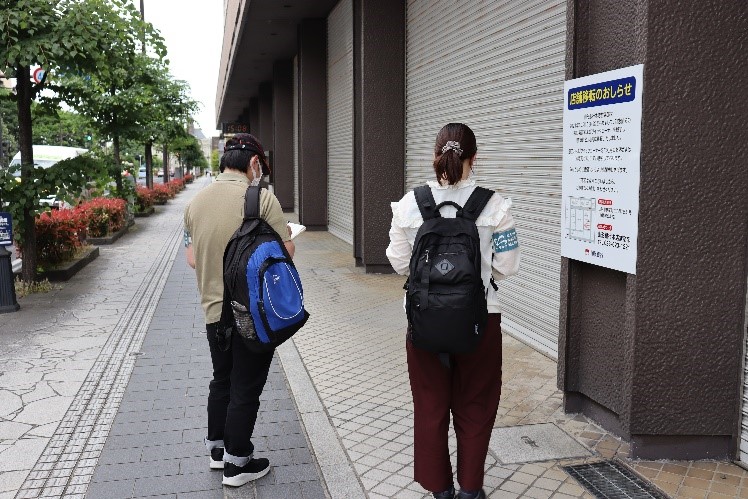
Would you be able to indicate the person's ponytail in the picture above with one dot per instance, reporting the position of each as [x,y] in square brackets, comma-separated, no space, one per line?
[455,142]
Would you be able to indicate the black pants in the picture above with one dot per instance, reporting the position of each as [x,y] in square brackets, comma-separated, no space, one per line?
[239,376]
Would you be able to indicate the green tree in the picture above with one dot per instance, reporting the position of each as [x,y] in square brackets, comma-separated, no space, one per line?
[166,110]
[56,127]
[61,36]
[189,153]
[112,97]
[8,126]
[214,160]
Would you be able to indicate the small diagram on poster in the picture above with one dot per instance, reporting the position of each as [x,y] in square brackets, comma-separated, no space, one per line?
[580,218]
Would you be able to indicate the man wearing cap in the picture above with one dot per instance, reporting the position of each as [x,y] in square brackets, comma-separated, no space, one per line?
[239,375]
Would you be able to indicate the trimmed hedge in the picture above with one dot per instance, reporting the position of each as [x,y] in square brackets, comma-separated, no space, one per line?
[103,215]
[144,198]
[59,234]
[161,193]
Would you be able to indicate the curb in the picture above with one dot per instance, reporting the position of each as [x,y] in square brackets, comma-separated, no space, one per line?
[338,475]
[67,271]
[101,241]
[148,212]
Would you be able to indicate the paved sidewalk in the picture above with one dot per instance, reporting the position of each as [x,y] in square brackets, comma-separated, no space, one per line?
[64,362]
[155,446]
[353,348]
[103,384]
[125,338]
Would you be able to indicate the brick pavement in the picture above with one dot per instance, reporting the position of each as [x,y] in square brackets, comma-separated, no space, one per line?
[65,364]
[155,446]
[339,390]
[353,349]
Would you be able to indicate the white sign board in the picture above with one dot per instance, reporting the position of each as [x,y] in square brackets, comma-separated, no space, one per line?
[601,163]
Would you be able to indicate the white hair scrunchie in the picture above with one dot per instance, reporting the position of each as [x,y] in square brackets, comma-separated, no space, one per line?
[452,145]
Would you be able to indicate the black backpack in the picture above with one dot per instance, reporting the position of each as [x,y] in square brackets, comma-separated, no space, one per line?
[446,300]
[263,300]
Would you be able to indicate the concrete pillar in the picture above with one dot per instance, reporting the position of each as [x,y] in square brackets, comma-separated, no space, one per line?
[254,116]
[265,116]
[283,133]
[244,117]
[379,125]
[656,357]
[312,123]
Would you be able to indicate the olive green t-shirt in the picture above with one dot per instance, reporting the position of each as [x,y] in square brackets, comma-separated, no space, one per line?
[211,219]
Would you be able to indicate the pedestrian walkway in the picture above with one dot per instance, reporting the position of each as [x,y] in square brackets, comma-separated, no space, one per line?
[353,348]
[103,384]
[155,446]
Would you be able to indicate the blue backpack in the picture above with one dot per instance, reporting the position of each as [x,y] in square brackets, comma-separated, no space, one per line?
[263,300]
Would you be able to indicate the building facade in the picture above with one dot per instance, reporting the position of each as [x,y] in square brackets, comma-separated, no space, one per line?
[348,96]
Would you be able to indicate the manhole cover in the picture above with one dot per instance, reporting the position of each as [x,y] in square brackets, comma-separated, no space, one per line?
[612,480]
[537,442]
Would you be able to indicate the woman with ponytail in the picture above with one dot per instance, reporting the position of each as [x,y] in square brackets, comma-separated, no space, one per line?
[467,385]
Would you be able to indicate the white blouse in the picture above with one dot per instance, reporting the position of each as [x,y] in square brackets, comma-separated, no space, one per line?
[498,238]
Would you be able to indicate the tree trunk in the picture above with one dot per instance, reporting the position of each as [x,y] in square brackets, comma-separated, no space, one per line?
[117,159]
[166,163]
[149,164]
[115,149]
[28,226]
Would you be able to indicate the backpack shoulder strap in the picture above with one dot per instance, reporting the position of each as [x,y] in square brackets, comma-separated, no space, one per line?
[252,203]
[426,203]
[475,203]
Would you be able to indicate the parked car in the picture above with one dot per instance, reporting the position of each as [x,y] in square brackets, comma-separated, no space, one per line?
[47,156]
[141,172]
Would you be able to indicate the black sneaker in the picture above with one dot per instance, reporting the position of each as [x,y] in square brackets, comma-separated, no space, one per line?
[236,476]
[216,458]
[478,494]
[447,494]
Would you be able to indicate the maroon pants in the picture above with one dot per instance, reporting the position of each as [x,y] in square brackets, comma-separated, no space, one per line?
[471,391]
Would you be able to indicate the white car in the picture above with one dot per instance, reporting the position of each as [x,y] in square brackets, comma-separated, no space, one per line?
[46,156]
[141,172]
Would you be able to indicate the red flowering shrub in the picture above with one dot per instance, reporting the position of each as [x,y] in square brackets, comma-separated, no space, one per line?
[175,186]
[58,235]
[104,215]
[188,178]
[161,193]
[144,198]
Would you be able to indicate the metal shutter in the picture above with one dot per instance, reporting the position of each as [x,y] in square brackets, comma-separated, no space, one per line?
[340,121]
[744,421]
[499,68]
[296,135]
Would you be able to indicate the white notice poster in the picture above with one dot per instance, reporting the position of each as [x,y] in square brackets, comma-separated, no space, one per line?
[600,180]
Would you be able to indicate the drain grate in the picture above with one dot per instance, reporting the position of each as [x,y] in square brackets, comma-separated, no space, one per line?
[612,480]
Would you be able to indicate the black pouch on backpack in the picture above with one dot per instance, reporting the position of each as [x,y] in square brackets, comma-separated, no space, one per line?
[445,299]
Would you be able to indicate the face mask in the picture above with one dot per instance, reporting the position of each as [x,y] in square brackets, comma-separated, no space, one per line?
[255,179]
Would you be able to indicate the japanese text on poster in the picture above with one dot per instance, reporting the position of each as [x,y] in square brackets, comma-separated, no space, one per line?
[6,229]
[601,160]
